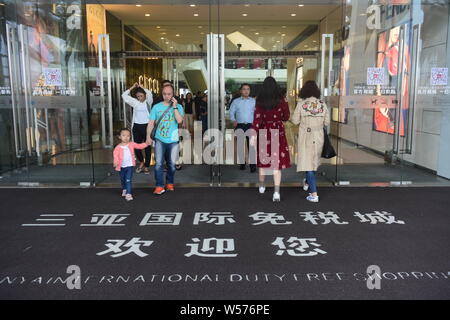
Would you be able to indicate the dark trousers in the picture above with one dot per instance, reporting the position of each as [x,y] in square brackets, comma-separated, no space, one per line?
[244,127]
[126,174]
[139,136]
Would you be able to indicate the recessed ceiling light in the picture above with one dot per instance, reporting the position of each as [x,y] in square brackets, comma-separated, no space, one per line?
[244,14]
[256,33]
[139,5]
[314,40]
[147,14]
[162,38]
[167,42]
[200,27]
[247,5]
[283,26]
[301,5]
[195,14]
[283,34]
[157,27]
[177,35]
[293,14]
[202,33]
[171,47]
[192,5]
[278,41]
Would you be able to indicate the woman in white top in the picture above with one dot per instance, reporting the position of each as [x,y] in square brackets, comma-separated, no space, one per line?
[141,101]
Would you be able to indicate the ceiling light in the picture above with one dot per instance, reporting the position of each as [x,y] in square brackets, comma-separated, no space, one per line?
[192,5]
[244,14]
[278,41]
[283,34]
[157,27]
[162,38]
[200,27]
[171,47]
[167,42]
[195,14]
[147,14]
[247,5]
[139,5]
[301,5]
[177,35]
[283,26]
[293,14]
[257,33]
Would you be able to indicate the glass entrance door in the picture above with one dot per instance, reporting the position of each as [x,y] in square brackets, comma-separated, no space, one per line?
[45,105]
[279,39]
[387,134]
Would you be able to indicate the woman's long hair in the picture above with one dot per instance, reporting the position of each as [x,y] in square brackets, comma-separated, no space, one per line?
[269,95]
[309,89]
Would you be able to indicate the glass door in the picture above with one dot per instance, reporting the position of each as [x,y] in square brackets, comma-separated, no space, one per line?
[47,96]
[279,39]
[388,122]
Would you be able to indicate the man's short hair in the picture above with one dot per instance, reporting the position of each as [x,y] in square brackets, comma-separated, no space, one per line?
[243,85]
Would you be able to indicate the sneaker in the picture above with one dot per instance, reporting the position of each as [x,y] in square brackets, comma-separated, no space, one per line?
[146,170]
[262,190]
[159,190]
[252,168]
[124,193]
[170,187]
[128,197]
[138,169]
[276,197]
[312,198]
[242,167]
[178,167]
[305,185]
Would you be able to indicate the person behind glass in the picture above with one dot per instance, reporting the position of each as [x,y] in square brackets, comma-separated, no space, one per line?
[203,110]
[270,112]
[140,100]
[241,114]
[124,160]
[166,138]
[311,115]
[189,108]
[197,100]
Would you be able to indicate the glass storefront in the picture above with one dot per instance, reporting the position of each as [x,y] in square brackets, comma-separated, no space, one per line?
[382,67]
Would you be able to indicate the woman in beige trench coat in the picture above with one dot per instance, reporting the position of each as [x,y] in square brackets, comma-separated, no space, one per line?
[311,115]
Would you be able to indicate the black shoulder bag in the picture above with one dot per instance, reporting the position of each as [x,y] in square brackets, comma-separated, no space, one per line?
[328,150]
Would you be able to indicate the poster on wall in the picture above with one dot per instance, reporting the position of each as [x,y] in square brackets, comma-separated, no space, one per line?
[96,24]
[388,59]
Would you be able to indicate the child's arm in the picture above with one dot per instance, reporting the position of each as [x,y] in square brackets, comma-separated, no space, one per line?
[140,146]
[115,157]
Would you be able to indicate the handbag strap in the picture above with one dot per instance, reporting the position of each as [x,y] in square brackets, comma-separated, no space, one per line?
[162,116]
